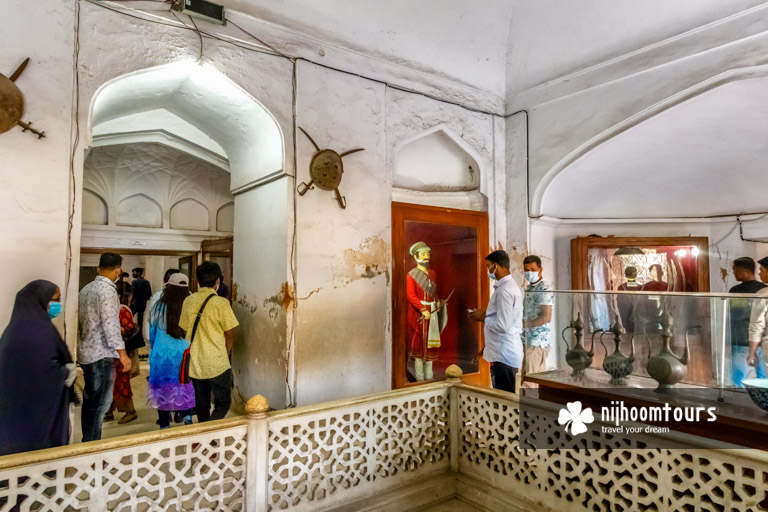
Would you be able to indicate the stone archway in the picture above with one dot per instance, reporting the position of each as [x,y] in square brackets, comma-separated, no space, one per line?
[207,114]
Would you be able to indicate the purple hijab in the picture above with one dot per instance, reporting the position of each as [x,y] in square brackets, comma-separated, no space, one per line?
[34,403]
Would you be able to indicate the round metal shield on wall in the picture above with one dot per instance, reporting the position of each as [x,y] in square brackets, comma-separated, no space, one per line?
[326,169]
[11,104]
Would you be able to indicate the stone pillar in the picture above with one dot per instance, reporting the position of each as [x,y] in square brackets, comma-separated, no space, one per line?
[453,375]
[261,294]
[257,455]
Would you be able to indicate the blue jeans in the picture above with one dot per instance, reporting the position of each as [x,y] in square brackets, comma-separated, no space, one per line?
[97,396]
[740,370]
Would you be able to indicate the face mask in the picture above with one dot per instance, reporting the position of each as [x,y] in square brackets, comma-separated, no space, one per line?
[54,309]
[492,275]
[531,277]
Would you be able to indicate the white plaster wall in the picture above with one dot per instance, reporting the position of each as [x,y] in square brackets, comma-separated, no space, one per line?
[260,293]
[516,189]
[342,332]
[34,173]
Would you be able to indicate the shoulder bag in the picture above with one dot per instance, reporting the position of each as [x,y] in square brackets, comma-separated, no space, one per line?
[185,358]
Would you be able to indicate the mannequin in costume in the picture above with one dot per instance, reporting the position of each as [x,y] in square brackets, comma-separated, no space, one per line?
[427,315]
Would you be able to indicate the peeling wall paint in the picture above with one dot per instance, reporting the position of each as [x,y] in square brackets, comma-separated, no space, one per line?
[343,255]
[367,261]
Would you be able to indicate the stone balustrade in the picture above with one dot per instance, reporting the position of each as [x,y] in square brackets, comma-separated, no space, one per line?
[337,455]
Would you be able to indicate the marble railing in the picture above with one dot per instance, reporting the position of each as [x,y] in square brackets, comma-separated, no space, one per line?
[325,456]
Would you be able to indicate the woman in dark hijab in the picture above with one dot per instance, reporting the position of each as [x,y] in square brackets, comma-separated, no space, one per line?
[36,373]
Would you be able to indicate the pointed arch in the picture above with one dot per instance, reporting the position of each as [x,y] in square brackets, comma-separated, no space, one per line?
[95,210]
[190,214]
[436,160]
[139,210]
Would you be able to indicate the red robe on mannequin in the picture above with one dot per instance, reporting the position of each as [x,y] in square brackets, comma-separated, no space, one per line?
[417,325]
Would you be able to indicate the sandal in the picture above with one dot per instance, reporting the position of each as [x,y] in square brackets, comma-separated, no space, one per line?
[129,416]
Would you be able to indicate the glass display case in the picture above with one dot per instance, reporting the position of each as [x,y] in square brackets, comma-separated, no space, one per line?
[647,347]
[438,274]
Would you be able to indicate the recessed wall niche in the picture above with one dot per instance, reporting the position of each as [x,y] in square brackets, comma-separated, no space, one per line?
[139,210]
[225,218]
[94,209]
[189,214]
[436,162]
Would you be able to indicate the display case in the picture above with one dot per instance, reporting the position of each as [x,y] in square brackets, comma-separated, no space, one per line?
[438,274]
[646,348]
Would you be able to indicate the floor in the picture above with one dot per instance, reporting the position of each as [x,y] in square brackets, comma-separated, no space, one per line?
[147,416]
[454,505]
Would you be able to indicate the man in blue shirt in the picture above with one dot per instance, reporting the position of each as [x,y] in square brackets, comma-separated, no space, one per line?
[503,323]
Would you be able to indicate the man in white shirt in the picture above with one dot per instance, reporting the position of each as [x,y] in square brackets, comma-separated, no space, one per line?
[503,323]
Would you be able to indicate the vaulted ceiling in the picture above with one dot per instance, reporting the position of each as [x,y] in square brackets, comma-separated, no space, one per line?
[502,46]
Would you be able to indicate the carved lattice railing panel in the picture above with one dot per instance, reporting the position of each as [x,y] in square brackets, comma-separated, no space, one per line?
[201,472]
[627,477]
[320,457]
[359,450]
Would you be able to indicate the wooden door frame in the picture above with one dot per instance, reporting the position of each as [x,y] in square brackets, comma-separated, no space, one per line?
[149,252]
[221,248]
[402,212]
[580,247]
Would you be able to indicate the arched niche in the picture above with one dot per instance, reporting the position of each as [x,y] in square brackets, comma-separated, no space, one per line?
[436,162]
[95,209]
[189,214]
[225,218]
[139,210]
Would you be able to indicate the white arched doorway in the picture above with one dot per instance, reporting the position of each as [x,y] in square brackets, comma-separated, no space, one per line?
[195,111]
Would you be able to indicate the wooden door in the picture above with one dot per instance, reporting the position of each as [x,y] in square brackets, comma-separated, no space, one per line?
[188,265]
[220,251]
[458,240]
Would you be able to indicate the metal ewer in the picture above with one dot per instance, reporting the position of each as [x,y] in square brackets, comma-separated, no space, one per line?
[578,357]
[666,368]
[617,365]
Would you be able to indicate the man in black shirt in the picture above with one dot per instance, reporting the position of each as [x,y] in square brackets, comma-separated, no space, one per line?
[740,308]
[141,292]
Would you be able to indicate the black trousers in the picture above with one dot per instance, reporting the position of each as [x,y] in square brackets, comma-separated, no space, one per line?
[221,389]
[165,416]
[503,376]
